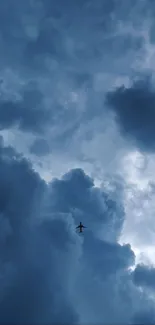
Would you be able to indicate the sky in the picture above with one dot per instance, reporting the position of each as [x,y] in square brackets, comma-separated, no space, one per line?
[77,143]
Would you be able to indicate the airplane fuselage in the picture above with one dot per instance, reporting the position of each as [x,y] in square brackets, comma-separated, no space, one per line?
[81,227]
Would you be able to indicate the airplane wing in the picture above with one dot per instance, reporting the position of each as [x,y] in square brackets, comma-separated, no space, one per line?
[77,227]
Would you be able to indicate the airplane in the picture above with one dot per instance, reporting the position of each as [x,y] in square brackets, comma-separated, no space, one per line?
[81,226]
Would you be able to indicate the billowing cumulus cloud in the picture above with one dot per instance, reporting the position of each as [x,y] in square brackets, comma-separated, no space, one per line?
[50,273]
[76,193]
[30,256]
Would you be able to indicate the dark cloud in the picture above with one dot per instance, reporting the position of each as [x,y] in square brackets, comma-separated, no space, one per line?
[134,109]
[31,290]
[36,293]
[59,37]
[144,318]
[39,30]
[26,113]
[144,276]
[110,257]
[40,147]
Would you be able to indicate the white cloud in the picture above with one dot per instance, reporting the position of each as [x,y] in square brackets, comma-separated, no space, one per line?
[139,200]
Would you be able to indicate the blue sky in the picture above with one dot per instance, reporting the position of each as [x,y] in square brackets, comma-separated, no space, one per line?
[77,143]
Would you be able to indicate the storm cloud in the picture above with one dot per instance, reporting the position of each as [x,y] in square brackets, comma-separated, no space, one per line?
[61,50]
[145,276]
[38,237]
[29,283]
[134,109]
[24,112]
[40,147]
[77,110]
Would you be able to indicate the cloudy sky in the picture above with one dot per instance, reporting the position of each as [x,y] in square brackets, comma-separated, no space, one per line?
[77,143]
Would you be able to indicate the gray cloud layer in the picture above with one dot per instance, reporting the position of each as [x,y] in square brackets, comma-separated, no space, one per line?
[67,54]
